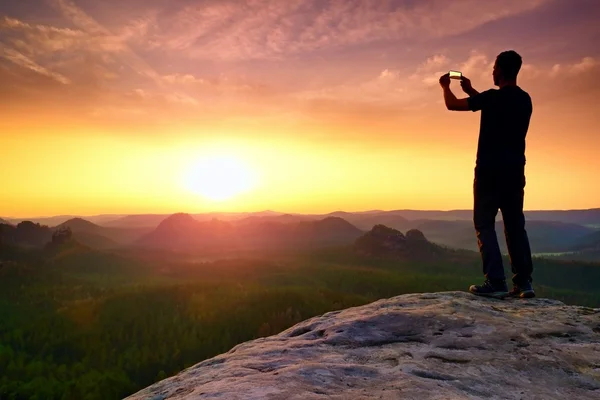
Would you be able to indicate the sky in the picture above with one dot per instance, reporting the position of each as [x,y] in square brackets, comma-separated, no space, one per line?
[160,106]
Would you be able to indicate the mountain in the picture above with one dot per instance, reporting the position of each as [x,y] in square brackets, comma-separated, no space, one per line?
[329,230]
[590,241]
[26,233]
[95,241]
[385,242]
[313,233]
[425,346]
[137,221]
[586,249]
[101,237]
[589,217]
[283,218]
[183,232]
[79,225]
[544,236]
[554,236]
[457,234]
[88,233]
[47,221]
[367,220]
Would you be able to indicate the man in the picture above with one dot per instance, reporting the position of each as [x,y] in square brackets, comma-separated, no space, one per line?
[499,174]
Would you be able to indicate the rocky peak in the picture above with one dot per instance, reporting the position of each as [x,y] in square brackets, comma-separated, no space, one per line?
[178,220]
[416,235]
[382,241]
[420,346]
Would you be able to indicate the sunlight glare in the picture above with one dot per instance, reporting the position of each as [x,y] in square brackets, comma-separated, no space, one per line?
[219,177]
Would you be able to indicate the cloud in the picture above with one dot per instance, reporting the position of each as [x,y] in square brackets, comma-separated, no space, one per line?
[42,39]
[433,63]
[184,79]
[401,91]
[585,65]
[83,21]
[72,54]
[571,70]
[255,29]
[25,62]
[198,57]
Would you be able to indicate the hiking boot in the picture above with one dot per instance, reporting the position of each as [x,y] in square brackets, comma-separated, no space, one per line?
[497,290]
[522,291]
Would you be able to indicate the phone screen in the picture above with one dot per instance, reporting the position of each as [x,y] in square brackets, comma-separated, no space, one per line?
[455,74]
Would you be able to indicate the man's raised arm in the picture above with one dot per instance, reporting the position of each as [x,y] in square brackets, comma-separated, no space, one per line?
[465,84]
[452,103]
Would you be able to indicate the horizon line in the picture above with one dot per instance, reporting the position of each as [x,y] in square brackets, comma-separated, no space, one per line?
[284,213]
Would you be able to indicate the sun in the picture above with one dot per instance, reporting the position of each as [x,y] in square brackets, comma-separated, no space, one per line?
[219,177]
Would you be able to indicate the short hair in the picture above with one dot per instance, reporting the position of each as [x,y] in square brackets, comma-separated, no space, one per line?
[509,63]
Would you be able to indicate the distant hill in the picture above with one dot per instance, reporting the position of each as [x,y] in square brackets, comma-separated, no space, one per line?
[153,220]
[80,225]
[315,233]
[549,231]
[88,233]
[393,221]
[137,221]
[589,217]
[26,234]
[385,242]
[100,237]
[549,236]
[330,229]
[47,221]
[183,232]
[544,236]
[59,219]
[95,241]
[590,241]
[284,218]
[367,220]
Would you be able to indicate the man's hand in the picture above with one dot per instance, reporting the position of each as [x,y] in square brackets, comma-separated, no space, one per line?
[465,84]
[452,103]
[445,80]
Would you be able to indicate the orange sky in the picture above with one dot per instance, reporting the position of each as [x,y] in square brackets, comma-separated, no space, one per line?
[322,105]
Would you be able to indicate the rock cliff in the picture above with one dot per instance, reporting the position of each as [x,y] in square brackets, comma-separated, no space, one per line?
[421,346]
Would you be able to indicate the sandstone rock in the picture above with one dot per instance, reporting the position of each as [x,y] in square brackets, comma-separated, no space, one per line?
[420,346]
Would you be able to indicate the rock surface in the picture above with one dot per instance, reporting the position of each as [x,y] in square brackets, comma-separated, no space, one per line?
[421,346]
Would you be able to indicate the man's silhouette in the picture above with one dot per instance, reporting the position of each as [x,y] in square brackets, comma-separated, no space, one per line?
[499,174]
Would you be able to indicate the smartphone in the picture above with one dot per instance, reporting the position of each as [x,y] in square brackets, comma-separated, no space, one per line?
[455,74]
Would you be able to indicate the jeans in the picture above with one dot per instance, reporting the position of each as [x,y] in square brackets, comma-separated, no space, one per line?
[504,190]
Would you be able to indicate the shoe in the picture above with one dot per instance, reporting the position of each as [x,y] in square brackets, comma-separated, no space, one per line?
[488,289]
[522,291]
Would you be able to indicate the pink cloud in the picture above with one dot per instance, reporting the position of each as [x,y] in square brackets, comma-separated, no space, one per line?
[255,29]
[25,62]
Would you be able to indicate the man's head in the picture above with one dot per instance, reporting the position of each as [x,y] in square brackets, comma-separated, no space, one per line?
[507,66]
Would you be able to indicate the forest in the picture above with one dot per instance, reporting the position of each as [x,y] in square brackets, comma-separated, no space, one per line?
[84,324]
